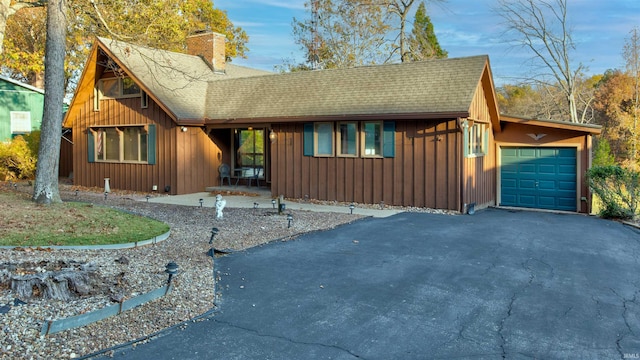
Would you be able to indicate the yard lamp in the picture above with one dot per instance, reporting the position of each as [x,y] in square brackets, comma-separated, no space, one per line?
[171,269]
[105,196]
[201,201]
[76,192]
[148,196]
[351,207]
[381,205]
[273,203]
[289,220]
[255,205]
[214,232]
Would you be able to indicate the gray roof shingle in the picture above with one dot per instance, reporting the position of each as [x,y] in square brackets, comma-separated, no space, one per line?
[188,87]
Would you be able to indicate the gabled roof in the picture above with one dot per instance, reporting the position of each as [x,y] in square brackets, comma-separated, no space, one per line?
[177,80]
[191,93]
[18,83]
[437,87]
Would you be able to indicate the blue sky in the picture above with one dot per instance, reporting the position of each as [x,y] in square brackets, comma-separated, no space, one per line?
[463,27]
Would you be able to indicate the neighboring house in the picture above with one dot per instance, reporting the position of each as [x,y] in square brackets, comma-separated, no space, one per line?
[21,108]
[424,134]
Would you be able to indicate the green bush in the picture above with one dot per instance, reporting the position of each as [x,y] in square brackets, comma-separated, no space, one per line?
[618,188]
[16,160]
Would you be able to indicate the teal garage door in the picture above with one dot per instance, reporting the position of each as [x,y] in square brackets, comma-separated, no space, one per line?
[534,177]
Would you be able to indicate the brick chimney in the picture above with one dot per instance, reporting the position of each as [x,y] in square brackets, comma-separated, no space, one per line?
[210,46]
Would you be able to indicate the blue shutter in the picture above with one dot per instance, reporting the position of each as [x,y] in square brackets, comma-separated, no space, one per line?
[151,143]
[91,147]
[389,139]
[308,139]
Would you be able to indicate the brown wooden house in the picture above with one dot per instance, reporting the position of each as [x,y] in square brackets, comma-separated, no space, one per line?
[424,134]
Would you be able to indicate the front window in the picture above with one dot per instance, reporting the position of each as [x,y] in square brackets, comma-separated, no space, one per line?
[119,88]
[249,152]
[476,144]
[324,139]
[372,134]
[348,139]
[20,122]
[121,144]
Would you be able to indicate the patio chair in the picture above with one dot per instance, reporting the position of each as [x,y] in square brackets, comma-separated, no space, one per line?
[225,172]
[257,172]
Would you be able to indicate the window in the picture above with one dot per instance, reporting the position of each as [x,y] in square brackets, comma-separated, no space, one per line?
[372,138]
[120,144]
[367,139]
[115,88]
[476,140]
[249,152]
[20,122]
[323,139]
[144,100]
[347,139]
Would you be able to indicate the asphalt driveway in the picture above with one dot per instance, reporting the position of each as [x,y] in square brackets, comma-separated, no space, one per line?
[498,284]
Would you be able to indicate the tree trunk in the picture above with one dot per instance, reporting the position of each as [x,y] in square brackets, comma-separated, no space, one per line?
[45,190]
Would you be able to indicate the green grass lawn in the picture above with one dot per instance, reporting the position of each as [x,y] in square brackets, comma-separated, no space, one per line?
[25,223]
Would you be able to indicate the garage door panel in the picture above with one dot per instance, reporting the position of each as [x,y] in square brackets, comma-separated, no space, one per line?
[539,177]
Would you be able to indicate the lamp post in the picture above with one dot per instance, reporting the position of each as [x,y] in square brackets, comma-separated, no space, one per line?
[201,201]
[76,192]
[148,196]
[289,220]
[255,205]
[105,196]
[214,232]
[273,203]
[351,207]
[171,269]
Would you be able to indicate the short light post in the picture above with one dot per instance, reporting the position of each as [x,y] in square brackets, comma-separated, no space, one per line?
[76,192]
[214,232]
[255,205]
[171,269]
[105,196]
[351,207]
[289,220]
[201,201]
[273,203]
[148,196]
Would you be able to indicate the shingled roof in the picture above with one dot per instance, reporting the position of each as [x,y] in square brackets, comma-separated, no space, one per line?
[192,92]
[444,86]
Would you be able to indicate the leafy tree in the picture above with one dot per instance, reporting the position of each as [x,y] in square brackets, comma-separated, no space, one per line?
[541,26]
[9,8]
[613,103]
[345,33]
[23,56]
[602,155]
[423,43]
[631,55]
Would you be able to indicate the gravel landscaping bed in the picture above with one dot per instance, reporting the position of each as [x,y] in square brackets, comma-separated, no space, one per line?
[126,273]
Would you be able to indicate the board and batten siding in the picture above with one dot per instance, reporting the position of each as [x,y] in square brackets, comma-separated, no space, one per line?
[425,171]
[479,172]
[185,161]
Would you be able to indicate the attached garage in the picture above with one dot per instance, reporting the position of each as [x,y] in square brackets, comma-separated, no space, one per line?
[542,164]
[539,177]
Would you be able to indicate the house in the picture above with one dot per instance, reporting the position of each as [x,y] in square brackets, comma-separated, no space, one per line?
[21,108]
[423,134]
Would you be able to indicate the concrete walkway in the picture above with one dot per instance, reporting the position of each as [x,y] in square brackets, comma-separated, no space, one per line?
[263,198]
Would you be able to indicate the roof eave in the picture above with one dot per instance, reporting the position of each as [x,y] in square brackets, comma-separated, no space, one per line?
[564,125]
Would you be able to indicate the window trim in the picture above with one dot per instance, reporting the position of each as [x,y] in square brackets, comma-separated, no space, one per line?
[338,132]
[144,130]
[475,146]
[16,119]
[120,94]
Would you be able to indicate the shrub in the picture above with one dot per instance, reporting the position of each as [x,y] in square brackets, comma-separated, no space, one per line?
[618,188]
[602,155]
[16,160]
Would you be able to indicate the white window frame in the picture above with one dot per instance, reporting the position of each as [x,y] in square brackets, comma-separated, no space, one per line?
[120,88]
[20,122]
[477,142]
